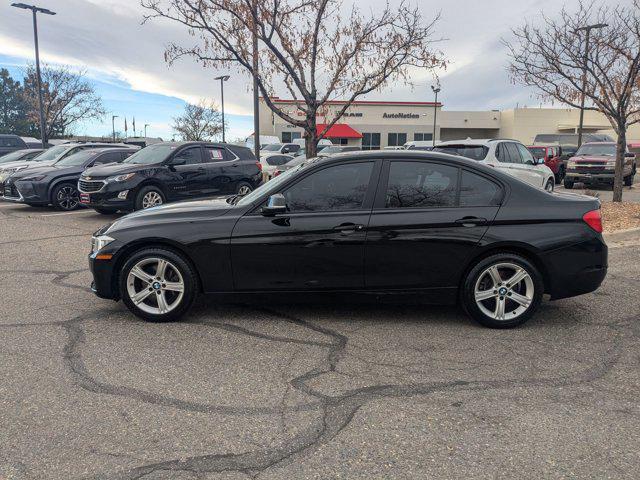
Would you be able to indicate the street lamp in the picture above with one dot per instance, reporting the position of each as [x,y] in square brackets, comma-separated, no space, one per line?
[436,90]
[113,127]
[587,29]
[145,129]
[35,10]
[222,78]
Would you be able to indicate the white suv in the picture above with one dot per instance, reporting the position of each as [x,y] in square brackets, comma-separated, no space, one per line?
[510,156]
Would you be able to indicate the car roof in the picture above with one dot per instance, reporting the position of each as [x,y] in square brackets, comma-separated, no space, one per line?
[599,143]
[402,154]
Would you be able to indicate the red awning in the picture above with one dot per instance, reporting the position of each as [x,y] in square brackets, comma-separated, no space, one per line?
[338,130]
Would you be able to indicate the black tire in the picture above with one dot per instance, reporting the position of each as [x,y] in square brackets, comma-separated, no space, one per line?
[140,197]
[243,187]
[568,184]
[550,185]
[474,276]
[65,197]
[177,261]
[105,211]
[559,176]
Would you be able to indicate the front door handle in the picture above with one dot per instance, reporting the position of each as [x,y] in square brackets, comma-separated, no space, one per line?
[346,228]
[471,221]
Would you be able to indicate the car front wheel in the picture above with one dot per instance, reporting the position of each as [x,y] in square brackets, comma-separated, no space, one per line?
[149,197]
[66,197]
[157,285]
[502,291]
[549,186]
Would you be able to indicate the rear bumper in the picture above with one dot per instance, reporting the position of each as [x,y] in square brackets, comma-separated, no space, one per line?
[577,269]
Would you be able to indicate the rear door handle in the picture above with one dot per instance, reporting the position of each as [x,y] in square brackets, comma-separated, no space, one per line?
[348,227]
[471,221]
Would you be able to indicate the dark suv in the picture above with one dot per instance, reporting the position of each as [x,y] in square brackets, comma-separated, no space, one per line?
[170,171]
[57,184]
[11,143]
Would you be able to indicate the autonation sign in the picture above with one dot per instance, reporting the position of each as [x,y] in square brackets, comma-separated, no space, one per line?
[400,115]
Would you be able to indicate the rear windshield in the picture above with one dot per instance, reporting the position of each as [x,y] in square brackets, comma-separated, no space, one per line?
[474,152]
[605,149]
[274,147]
[537,152]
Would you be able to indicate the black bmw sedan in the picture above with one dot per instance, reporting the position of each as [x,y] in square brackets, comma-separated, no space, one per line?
[170,171]
[422,223]
[57,184]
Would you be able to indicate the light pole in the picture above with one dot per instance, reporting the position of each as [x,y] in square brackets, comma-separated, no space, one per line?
[113,127]
[587,29]
[436,90]
[145,129]
[222,78]
[34,11]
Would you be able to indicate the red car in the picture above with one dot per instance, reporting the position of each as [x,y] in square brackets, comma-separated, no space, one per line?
[552,159]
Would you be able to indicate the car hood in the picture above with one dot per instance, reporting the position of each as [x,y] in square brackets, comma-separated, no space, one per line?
[50,170]
[111,169]
[21,164]
[187,211]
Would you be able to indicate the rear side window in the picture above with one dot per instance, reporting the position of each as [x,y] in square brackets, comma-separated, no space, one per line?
[477,191]
[524,153]
[212,154]
[474,152]
[341,187]
[10,142]
[421,184]
[278,160]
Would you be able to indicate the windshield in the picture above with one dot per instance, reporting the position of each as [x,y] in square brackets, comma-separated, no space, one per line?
[537,152]
[332,150]
[151,154]
[53,153]
[274,147]
[77,158]
[605,149]
[474,152]
[12,157]
[271,184]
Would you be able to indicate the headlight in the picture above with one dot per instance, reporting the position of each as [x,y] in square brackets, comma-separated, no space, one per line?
[121,178]
[99,242]
[571,164]
[611,163]
[36,178]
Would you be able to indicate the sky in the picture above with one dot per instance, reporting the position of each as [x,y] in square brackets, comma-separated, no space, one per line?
[124,59]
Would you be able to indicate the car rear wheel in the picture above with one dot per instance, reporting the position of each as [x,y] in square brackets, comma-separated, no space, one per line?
[550,185]
[502,291]
[568,184]
[66,197]
[149,197]
[158,285]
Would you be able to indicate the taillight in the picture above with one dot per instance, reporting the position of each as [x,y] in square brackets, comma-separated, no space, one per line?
[594,220]
[259,166]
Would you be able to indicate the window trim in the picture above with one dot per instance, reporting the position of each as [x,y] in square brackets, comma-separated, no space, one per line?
[379,205]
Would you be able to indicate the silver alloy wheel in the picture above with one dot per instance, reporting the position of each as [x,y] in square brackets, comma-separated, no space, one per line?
[151,199]
[68,198]
[244,190]
[155,285]
[549,186]
[504,291]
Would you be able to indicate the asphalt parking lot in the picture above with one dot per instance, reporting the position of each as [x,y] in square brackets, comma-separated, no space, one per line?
[331,391]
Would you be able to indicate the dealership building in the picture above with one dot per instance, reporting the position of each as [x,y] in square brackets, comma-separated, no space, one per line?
[380,124]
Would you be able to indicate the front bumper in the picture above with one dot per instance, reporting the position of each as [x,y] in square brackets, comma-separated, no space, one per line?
[586,177]
[33,193]
[108,197]
[103,284]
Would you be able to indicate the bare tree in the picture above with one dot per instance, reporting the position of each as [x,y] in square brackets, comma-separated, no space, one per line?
[198,122]
[317,50]
[67,97]
[550,56]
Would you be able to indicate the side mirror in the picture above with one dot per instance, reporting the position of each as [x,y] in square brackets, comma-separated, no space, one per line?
[177,161]
[541,161]
[276,204]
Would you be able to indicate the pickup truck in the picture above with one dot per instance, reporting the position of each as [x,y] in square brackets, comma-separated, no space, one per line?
[594,162]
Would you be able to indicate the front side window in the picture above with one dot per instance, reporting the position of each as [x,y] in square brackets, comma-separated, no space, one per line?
[340,187]
[189,156]
[111,157]
[421,185]
[525,154]
[477,191]
[514,155]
